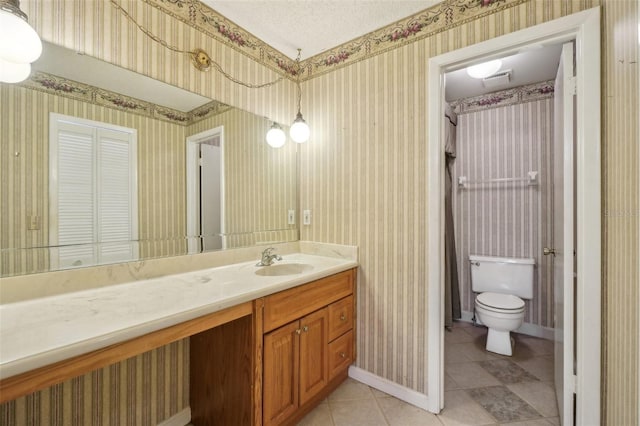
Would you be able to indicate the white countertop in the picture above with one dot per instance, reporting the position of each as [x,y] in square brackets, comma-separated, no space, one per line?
[39,332]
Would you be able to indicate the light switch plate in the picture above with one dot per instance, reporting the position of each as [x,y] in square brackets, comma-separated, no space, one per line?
[291,217]
[306,217]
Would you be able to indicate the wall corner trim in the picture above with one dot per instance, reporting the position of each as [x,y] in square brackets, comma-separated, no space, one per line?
[405,394]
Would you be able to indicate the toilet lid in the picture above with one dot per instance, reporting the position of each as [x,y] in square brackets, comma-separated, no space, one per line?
[505,302]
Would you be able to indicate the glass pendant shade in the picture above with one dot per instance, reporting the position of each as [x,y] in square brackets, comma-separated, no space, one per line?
[275,136]
[485,69]
[19,42]
[11,72]
[299,130]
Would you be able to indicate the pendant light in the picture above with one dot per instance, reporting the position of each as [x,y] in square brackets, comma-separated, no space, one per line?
[275,136]
[299,130]
[19,43]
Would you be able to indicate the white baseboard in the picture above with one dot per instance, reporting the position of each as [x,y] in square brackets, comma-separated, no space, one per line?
[179,419]
[407,395]
[526,328]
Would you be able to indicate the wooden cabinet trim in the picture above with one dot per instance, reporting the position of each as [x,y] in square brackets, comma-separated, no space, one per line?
[43,377]
[289,305]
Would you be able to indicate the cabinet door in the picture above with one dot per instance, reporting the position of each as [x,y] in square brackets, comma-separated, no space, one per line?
[281,366]
[314,360]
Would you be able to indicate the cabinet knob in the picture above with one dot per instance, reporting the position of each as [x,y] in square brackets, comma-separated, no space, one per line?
[298,331]
[343,355]
[343,317]
[305,328]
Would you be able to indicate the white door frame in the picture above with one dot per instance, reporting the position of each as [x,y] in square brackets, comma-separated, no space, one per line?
[193,187]
[584,28]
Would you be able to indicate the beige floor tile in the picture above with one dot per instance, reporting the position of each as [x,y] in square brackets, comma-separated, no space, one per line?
[361,412]
[537,422]
[320,416]
[540,366]
[457,335]
[379,394]
[538,346]
[399,413]
[540,395]
[449,383]
[479,331]
[460,410]
[350,390]
[555,421]
[455,353]
[473,351]
[470,375]
[462,324]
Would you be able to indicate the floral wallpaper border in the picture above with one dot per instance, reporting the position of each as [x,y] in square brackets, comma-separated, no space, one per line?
[438,18]
[52,84]
[518,95]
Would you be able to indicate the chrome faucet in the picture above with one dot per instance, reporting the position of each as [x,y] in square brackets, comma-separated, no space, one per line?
[268,258]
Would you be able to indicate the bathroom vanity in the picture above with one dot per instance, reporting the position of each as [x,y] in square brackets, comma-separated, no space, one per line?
[264,347]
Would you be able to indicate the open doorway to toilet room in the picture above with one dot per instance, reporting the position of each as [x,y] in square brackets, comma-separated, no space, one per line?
[564,194]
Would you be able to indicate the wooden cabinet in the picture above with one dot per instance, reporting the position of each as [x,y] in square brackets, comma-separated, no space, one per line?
[281,370]
[308,346]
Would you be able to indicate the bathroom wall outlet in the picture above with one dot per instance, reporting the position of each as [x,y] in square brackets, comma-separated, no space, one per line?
[306,217]
[291,217]
[33,223]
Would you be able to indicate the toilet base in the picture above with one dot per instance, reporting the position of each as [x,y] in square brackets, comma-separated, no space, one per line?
[499,342]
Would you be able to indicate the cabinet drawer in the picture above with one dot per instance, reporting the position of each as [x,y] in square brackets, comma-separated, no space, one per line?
[340,354]
[289,305]
[340,317]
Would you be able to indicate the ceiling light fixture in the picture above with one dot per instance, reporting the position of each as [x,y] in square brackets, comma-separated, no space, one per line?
[200,59]
[299,130]
[276,136]
[485,69]
[19,43]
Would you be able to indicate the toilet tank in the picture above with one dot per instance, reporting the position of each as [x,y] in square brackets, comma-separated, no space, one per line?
[509,275]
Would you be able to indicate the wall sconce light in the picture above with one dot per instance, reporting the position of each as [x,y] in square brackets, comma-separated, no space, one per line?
[299,130]
[484,69]
[19,43]
[275,136]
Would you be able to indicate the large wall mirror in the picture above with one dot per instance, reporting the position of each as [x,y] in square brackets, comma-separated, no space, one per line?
[101,165]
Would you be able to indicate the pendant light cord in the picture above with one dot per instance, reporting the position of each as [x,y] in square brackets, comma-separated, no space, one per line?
[192,53]
[298,72]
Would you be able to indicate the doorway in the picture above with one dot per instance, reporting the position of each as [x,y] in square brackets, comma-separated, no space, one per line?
[584,29]
[205,191]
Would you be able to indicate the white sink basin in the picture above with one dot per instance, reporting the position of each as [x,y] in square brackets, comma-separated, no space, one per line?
[283,269]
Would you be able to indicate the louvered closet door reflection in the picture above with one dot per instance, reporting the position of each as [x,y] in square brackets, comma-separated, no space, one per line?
[93,193]
[75,190]
[115,221]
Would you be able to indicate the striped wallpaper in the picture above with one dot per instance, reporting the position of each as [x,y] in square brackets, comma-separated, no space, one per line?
[506,219]
[261,181]
[621,212]
[25,191]
[363,176]
[143,390]
[363,171]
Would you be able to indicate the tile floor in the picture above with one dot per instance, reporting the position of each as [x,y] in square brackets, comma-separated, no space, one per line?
[481,388]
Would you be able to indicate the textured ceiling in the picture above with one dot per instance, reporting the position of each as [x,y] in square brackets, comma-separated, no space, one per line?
[314,25]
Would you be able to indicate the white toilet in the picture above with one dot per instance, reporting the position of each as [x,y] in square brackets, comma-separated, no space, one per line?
[502,283]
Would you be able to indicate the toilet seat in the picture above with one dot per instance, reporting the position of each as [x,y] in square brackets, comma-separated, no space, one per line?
[500,303]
